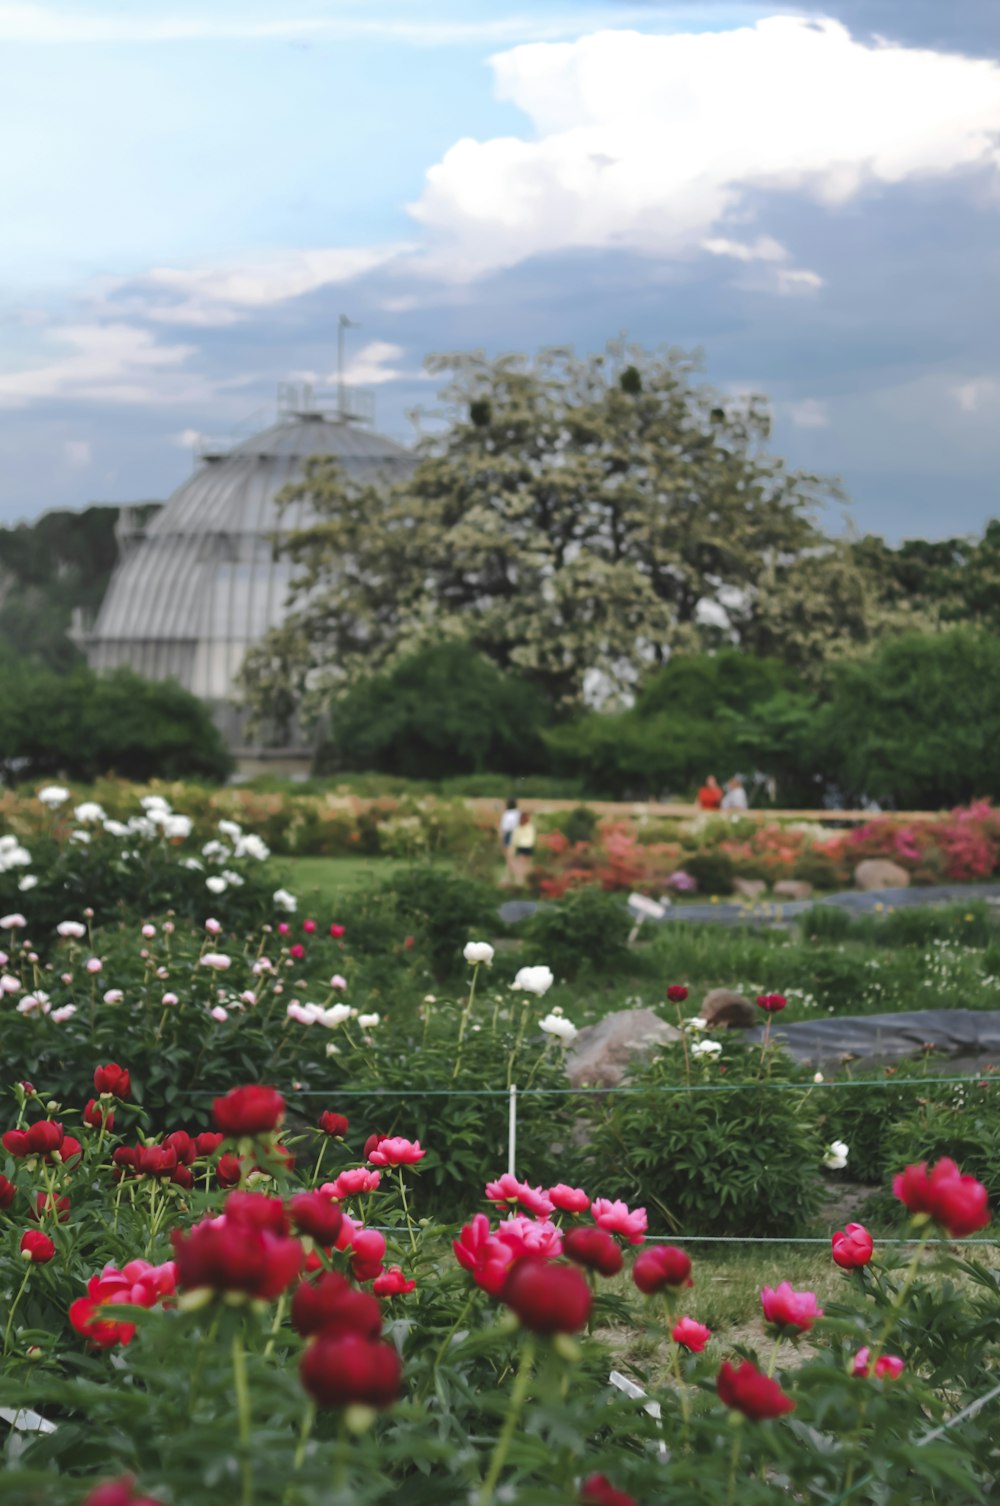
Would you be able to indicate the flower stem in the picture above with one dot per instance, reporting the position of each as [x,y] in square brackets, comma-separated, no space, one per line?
[734,1459]
[13,1307]
[243,1414]
[453,1330]
[406,1209]
[314,1182]
[463,1022]
[518,1396]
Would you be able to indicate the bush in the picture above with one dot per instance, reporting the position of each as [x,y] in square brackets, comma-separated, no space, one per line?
[712,871]
[441,910]
[585,932]
[80,725]
[443,711]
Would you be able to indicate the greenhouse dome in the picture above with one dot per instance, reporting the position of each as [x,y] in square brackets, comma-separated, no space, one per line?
[199,584]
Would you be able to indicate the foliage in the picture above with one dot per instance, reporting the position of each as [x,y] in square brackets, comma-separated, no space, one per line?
[585,932]
[81,725]
[443,711]
[60,562]
[712,871]
[566,524]
[946,685]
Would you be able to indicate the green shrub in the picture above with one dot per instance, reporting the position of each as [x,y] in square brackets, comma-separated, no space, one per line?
[818,869]
[585,932]
[740,1162]
[713,871]
[441,910]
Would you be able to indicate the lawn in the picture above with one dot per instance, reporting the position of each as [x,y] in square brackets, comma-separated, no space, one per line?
[327,879]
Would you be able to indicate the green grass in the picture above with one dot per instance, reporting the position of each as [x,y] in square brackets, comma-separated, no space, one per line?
[328,879]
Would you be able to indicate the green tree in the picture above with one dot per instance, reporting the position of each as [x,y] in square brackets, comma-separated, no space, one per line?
[445,710]
[571,522]
[917,725]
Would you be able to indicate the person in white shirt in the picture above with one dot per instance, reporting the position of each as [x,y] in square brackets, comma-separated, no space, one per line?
[735,798]
[510,820]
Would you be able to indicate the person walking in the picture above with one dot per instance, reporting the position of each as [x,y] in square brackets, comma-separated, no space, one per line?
[710,794]
[509,821]
[524,847]
[735,798]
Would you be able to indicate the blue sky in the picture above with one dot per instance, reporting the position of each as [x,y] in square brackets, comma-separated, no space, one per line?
[191,195]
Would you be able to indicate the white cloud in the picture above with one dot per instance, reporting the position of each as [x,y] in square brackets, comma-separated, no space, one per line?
[650,142]
[374,364]
[79,453]
[102,362]
[764,248]
[973,396]
[219,295]
[798,280]
[810,413]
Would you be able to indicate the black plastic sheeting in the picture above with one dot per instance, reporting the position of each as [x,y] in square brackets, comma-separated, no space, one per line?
[775,912]
[962,1039]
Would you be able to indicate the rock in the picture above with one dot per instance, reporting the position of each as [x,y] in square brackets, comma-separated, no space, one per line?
[793,889]
[750,888]
[600,1055]
[724,1007]
[879,873]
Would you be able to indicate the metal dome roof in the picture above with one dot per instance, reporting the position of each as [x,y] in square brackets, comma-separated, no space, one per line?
[200,584]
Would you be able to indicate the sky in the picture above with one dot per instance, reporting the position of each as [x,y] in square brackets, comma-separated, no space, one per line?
[191,195]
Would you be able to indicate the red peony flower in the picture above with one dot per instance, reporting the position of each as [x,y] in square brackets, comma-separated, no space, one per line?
[8,1192]
[229,1170]
[297,950]
[598,1491]
[246,1250]
[746,1390]
[336,931]
[137,1284]
[392,1283]
[342,1370]
[886,1367]
[692,1335]
[252,1110]
[393,1150]
[40,1139]
[958,1203]
[112,1079]
[118,1493]
[207,1143]
[771,1002]
[97,1116]
[309,927]
[593,1248]
[316,1215]
[48,1203]
[660,1266]
[786,1308]
[568,1199]
[38,1247]
[547,1298]
[183,1146]
[333,1124]
[332,1305]
[486,1257]
[852,1247]
[677,993]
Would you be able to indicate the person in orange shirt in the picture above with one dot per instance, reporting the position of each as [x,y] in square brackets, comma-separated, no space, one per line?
[710,795]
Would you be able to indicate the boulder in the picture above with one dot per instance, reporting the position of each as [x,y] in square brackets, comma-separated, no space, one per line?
[724,1007]
[793,889]
[600,1055]
[749,888]
[880,873]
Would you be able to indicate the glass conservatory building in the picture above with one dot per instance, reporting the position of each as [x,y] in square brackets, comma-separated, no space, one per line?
[200,584]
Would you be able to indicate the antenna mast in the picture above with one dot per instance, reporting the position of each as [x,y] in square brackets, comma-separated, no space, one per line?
[343,323]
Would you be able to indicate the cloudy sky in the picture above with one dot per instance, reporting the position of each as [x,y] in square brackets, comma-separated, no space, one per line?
[191,195]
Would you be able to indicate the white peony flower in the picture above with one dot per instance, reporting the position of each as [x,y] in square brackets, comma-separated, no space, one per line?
[176,827]
[695,1025]
[83,837]
[14,922]
[71,928]
[27,883]
[217,960]
[285,901]
[116,828]
[113,996]
[216,883]
[36,1003]
[9,984]
[554,1024]
[369,1021]
[706,1048]
[534,980]
[142,826]
[251,846]
[215,849]
[195,864]
[836,1156]
[234,880]
[151,803]
[90,811]
[478,951]
[219,1014]
[63,1013]
[53,795]
[231,829]
[336,1015]
[13,855]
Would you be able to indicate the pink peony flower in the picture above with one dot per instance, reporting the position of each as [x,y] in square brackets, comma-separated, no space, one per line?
[886,1367]
[786,1308]
[617,1218]
[569,1199]
[690,1334]
[507,1189]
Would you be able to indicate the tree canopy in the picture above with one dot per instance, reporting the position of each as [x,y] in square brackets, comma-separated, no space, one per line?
[577,520]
